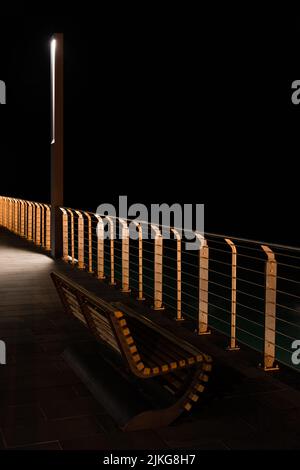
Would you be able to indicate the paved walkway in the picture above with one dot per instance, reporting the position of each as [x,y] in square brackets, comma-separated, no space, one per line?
[43,405]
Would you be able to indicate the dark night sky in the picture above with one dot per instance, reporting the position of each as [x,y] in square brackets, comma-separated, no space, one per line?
[176,108]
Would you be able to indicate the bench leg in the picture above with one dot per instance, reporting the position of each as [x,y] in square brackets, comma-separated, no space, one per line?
[154,419]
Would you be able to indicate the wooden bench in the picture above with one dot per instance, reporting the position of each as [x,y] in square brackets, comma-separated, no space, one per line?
[161,375]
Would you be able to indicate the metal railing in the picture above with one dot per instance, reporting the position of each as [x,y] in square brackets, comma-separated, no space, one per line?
[247,290]
[29,219]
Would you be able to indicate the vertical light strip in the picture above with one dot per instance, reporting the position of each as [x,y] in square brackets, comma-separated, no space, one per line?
[53,51]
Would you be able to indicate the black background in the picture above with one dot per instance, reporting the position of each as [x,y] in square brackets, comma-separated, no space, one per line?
[163,106]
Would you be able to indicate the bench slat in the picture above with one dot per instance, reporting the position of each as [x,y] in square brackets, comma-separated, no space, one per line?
[100,327]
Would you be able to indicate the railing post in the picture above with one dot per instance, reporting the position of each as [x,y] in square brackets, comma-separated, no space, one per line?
[22,219]
[19,216]
[233,346]
[25,219]
[100,248]
[140,262]
[16,216]
[80,245]
[65,234]
[178,270]
[38,224]
[42,225]
[90,246]
[2,204]
[125,256]
[203,287]
[48,227]
[33,222]
[158,268]
[2,211]
[29,227]
[72,236]
[10,214]
[112,251]
[6,213]
[270,310]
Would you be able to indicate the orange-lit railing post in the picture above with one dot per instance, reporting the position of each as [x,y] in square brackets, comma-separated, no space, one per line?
[178,271]
[6,212]
[112,250]
[270,310]
[158,268]
[25,219]
[29,232]
[38,224]
[42,225]
[72,236]
[48,227]
[11,215]
[125,255]
[22,219]
[19,217]
[65,234]
[233,346]
[10,225]
[140,262]
[90,245]
[16,213]
[33,221]
[3,211]
[2,206]
[100,247]
[203,287]
[80,245]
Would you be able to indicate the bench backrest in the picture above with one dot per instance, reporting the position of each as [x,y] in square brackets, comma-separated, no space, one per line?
[96,314]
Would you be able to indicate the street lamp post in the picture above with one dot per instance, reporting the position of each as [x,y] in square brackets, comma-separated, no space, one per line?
[57,143]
